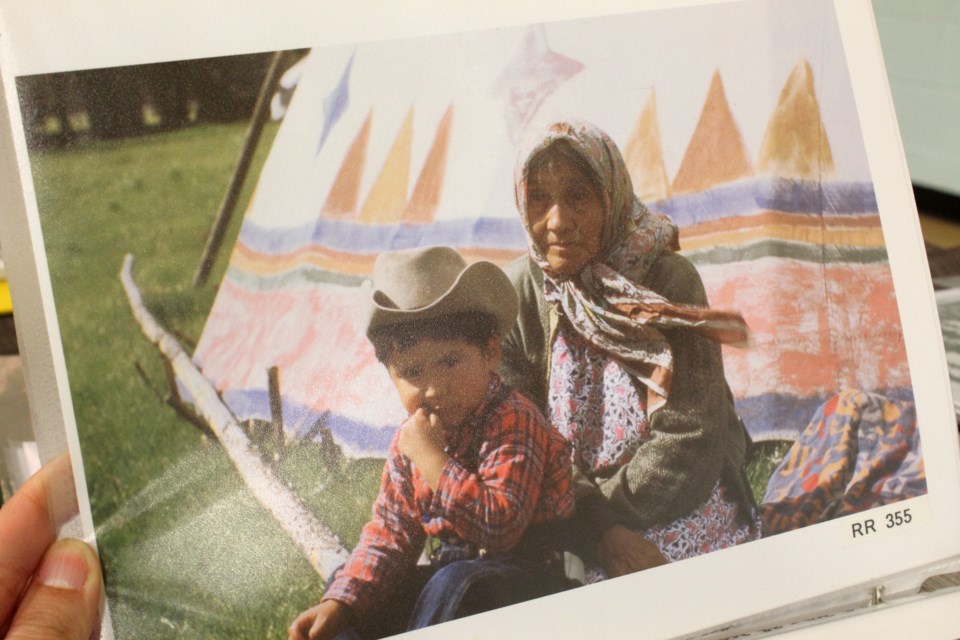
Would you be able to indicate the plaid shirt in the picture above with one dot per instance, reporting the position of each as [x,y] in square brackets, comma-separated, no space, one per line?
[510,470]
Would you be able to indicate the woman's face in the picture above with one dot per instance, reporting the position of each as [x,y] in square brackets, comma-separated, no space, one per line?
[565,213]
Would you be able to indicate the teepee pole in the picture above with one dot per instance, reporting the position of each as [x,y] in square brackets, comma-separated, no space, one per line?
[319,545]
[229,204]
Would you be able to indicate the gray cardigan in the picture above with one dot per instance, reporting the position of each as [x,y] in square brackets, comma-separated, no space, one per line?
[697,437]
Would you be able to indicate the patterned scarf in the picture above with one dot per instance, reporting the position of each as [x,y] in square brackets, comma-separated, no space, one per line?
[606,303]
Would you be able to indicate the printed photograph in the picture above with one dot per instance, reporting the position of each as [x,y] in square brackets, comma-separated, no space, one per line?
[362,339]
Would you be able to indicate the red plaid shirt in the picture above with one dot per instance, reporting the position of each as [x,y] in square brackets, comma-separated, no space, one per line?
[510,470]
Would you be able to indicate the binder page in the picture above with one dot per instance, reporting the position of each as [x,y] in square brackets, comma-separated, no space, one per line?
[929,617]
[726,324]
[948,309]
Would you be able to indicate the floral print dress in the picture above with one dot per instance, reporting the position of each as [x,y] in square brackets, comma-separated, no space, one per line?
[595,404]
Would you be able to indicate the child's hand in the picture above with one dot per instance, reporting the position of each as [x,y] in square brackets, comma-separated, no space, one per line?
[421,440]
[419,434]
[321,622]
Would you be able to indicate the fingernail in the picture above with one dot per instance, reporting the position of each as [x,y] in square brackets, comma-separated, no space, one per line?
[63,568]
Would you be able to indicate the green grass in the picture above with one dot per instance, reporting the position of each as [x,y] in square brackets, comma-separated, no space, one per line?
[186,550]
[762,460]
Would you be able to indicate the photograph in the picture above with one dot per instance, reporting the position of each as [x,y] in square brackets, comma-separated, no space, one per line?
[365,337]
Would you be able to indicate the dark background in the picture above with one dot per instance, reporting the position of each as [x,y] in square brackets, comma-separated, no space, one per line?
[118,102]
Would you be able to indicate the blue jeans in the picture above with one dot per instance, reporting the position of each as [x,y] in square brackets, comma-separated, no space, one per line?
[460,588]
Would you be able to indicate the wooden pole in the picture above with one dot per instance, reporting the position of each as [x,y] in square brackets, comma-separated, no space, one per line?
[315,540]
[276,410]
[229,204]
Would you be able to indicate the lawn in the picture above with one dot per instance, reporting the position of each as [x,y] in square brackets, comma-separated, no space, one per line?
[188,553]
[186,550]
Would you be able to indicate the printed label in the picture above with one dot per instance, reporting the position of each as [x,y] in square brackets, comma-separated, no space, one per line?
[887,520]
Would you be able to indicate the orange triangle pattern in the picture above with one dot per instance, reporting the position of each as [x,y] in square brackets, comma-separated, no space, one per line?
[345,192]
[795,144]
[716,153]
[387,197]
[426,194]
[644,155]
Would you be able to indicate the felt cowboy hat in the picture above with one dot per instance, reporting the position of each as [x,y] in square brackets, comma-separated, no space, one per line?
[426,283]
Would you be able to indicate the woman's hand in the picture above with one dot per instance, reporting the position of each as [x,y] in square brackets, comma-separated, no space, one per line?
[64,576]
[321,622]
[421,440]
[622,551]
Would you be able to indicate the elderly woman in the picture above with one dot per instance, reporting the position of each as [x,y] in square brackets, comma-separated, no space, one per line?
[616,343]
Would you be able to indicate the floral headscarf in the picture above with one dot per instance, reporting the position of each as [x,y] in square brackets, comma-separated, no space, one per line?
[606,303]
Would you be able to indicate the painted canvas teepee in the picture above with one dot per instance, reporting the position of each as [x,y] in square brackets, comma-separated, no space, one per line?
[411,143]
[801,255]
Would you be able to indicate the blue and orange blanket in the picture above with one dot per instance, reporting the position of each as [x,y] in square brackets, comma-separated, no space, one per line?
[860,451]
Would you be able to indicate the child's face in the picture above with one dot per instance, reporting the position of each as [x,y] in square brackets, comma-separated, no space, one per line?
[448,378]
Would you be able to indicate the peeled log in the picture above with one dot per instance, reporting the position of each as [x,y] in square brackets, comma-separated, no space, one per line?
[315,540]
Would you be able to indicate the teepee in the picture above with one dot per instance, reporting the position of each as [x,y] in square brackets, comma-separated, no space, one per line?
[411,143]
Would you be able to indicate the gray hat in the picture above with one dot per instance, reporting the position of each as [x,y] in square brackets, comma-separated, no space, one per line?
[425,283]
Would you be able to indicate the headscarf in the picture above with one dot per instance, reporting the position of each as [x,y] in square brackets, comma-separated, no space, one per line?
[606,303]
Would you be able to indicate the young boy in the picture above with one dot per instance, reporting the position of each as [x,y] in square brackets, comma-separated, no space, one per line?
[475,465]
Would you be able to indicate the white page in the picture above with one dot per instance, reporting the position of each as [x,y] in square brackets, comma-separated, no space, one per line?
[704,592]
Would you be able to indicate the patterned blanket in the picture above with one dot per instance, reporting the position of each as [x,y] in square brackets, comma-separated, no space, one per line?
[860,450]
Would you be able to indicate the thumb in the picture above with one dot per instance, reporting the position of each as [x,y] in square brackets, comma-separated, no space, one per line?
[419,414]
[62,599]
